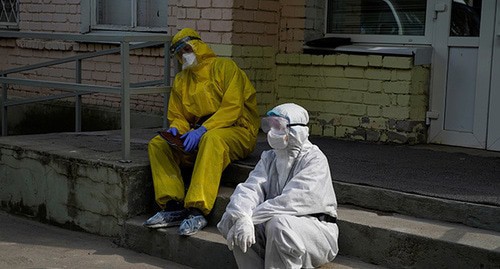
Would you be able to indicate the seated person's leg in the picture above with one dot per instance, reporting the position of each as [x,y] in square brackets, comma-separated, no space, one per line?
[168,184]
[299,242]
[254,257]
[216,150]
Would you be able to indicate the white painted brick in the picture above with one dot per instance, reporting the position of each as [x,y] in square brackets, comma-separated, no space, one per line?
[354,72]
[397,62]
[402,87]
[342,59]
[358,60]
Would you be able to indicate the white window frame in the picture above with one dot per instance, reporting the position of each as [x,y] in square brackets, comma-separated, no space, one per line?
[132,27]
[11,25]
[425,39]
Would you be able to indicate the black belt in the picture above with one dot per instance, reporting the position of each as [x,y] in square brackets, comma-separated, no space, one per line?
[325,217]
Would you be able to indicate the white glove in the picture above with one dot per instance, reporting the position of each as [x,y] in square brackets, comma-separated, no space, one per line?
[244,233]
[230,238]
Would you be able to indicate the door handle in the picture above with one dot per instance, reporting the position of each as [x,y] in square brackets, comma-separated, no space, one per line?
[439,7]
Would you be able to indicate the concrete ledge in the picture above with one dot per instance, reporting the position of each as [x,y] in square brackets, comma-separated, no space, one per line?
[474,215]
[206,250]
[63,185]
[404,242]
[399,241]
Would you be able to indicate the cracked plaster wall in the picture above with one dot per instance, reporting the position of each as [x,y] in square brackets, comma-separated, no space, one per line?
[93,197]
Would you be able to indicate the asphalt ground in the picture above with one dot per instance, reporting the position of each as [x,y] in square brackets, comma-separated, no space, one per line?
[455,173]
[439,171]
[433,170]
[26,243]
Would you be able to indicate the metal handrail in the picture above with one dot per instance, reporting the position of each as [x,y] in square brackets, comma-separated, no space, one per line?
[83,56]
[125,89]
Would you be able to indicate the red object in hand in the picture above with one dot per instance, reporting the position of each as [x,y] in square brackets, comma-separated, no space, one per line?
[171,139]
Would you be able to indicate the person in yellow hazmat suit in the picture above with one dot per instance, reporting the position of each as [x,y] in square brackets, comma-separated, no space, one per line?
[213,108]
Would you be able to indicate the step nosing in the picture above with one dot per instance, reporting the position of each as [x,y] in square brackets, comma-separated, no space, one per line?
[453,233]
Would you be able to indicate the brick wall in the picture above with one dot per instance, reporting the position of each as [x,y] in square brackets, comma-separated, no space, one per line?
[372,98]
[49,15]
[292,25]
[315,19]
[238,22]
[145,64]
[256,23]
[212,19]
[360,97]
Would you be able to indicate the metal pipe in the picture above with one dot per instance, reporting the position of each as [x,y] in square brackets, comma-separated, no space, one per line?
[4,108]
[78,97]
[40,99]
[166,77]
[101,36]
[83,56]
[125,102]
[125,89]
[150,90]
[61,85]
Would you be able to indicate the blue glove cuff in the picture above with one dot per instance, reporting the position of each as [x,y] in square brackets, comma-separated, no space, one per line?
[202,129]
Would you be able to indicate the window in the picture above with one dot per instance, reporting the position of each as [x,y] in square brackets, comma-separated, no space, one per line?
[140,15]
[398,21]
[9,13]
[379,20]
[465,18]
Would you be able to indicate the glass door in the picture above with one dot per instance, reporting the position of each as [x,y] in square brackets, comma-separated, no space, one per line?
[461,72]
[493,140]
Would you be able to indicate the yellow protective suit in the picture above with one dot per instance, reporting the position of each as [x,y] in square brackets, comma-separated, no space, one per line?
[217,87]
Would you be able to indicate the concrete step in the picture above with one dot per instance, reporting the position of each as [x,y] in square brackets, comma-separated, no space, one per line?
[471,214]
[387,239]
[74,180]
[77,180]
[206,249]
[399,241]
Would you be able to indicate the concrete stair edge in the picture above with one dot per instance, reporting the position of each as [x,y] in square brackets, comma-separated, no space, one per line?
[397,234]
[375,198]
[167,244]
[473,215]
[387,239]
[399,241]
[206,250]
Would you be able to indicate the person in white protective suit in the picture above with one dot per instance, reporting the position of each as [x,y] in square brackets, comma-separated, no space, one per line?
[284,214]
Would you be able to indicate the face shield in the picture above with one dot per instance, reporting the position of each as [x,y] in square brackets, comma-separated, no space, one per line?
[179,45]
[278,125]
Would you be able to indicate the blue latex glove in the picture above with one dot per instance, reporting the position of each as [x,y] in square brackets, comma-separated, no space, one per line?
[173,131]
[192,138]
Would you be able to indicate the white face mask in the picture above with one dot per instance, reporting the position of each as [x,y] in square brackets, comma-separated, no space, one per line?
[188,60]
[277,141]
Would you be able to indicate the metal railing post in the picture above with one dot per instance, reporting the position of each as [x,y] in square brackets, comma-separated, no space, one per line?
[166,78]
[77,89]
[125,100]
[4,108]
[78,97]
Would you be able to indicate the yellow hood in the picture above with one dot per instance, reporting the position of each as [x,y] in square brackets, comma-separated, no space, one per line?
[200,48]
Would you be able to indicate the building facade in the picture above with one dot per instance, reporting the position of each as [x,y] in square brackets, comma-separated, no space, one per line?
[408,75]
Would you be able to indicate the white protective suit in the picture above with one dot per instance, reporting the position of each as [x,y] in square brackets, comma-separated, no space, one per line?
[286,187]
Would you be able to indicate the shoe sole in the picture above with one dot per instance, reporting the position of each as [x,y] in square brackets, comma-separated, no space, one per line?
[164,225]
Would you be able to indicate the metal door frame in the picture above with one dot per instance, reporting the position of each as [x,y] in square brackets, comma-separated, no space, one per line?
[493,141]
[441,44]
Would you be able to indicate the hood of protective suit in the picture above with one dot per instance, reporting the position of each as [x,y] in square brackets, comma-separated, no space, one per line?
[298,137]
[202,51]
